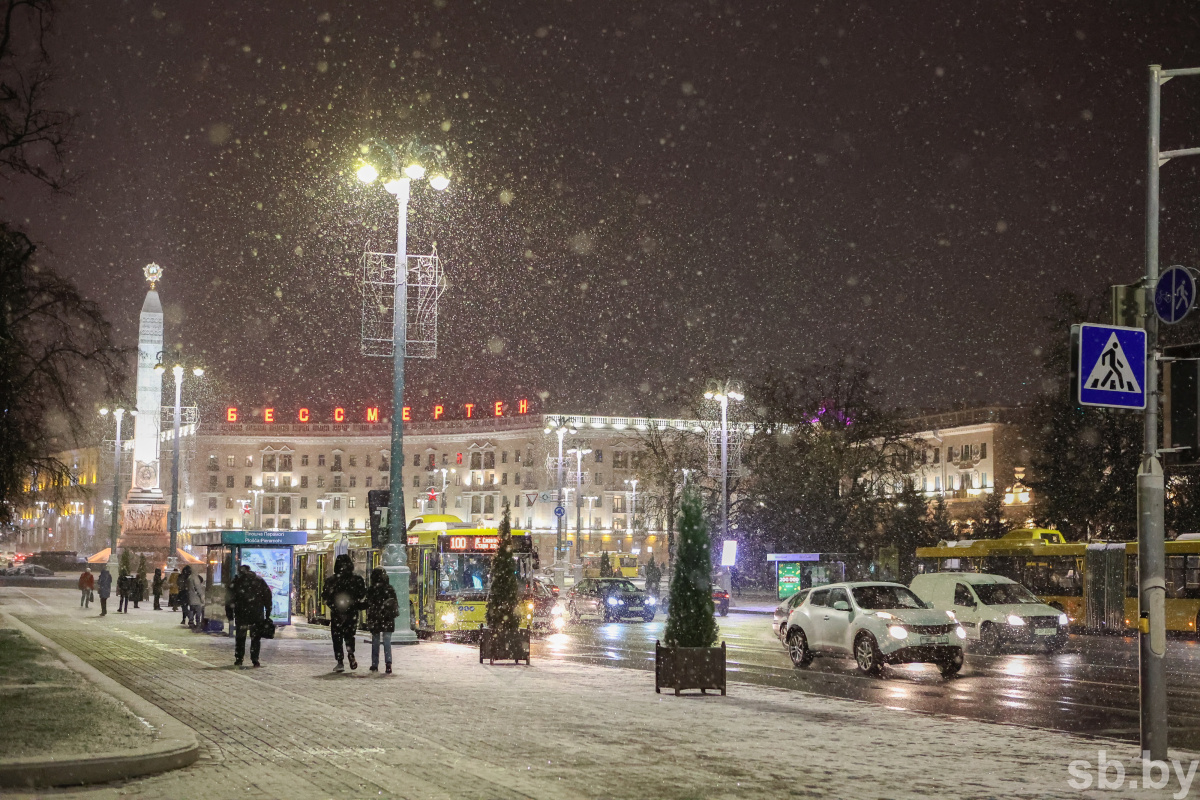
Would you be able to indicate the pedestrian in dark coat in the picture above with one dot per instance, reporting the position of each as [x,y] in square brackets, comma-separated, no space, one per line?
[104,589]
[344,594]
[124,590]
[139,589]
[183,593]
[157,586]
[248,608]
[382,610]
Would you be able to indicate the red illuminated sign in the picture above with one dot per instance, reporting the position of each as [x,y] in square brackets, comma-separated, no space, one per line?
[371,414]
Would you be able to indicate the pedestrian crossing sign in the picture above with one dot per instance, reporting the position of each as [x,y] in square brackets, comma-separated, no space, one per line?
[1110,366]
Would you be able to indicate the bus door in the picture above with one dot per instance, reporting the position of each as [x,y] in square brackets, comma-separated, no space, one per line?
[426,586]
[1104,609]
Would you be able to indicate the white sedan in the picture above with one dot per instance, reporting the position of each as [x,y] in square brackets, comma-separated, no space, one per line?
[875,623]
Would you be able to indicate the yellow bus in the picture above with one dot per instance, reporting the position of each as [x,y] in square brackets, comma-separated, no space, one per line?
[624,565]
[1095,583]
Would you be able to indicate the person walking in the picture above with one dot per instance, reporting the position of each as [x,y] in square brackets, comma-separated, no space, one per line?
[157,586]
[87,582]
[343,593]
[182,597]
[173,590]
[196,599]
[382,610]
[103,589]
[248,610]
[124,589]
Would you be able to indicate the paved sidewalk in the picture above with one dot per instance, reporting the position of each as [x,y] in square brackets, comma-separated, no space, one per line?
[446,727]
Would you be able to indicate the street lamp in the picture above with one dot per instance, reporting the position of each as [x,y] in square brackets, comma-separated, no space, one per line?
[257,508]
[632,483]
[579,452]
[113,563]
[723,393]
[443,498]
[173,517]
[561,430]
[395,557]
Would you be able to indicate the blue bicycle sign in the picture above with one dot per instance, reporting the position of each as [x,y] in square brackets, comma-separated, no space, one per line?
[1174,294]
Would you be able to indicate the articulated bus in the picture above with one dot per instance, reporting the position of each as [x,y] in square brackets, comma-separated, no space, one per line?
[624,565]
[1095,583]
[450,563]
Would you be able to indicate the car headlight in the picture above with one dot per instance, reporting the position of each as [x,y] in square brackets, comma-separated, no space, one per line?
[559,622]
[898,632]
[1063,620]
[960,633]
[612,601]
[449,618]
[556,611]
[530,606]
[950,614]
[1013,619]
[651,601]
[884,615]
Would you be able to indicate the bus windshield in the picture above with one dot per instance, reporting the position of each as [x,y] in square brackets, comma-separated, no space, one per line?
[1002,594]
[463,574]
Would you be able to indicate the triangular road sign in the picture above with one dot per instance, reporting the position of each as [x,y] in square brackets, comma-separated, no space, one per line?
[531,498]
[1112,372]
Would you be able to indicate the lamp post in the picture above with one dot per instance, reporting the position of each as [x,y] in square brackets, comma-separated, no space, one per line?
[632,483]
[113,563]
[443,497]
[257,508]
[395,555]
[579,453]
[561,430]
[723,394]
[173,516]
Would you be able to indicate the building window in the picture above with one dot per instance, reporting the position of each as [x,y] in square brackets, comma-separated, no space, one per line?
[246,483]
[304,502]
[489,504]
[268,522]
[229,522]
[229,502]
[985,483]
[937,455]
[457,479]
[489,459]
[320,481]
[212,501]
[229,461]
[516,478]
[212,521]
[385,481]
[321,460]
[353,522]
[337,482]
[351,502]
[228,481]
[285,505]
[367,482]
[304,461]
[303,481]
[504,457]
[212,463]
[476,460]
[620,460]
[983,450]
[285,523]
[353,481]
[212,483]
[599,456]
[416,459]
[458,459]
[285,462]
[268,504]
[354,461]
[268,462]
[249,461]
[337,463]
[504,479]
[303,524]
[476,504]
[445,459]
[598,479]
[337,504]
[383,463]
[458,501]
[416,479]
[618,505]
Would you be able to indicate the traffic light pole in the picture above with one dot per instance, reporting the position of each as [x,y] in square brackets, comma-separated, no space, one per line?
[1152,589]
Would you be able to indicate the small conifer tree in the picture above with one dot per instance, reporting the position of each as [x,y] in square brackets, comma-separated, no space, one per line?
[690,621]
[504,596]
[653,576]
[606,570]
[126,562]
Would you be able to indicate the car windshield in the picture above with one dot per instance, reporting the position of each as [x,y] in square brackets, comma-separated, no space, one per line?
[878,597]
[617,586]
[1003,594]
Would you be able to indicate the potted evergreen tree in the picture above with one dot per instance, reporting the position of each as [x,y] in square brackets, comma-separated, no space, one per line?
[688,659]
[606,570]
[504,638]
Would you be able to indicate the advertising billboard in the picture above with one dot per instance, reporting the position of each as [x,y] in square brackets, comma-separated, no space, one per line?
[273,565]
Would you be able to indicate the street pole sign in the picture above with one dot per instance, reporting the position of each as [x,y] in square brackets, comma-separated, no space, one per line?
[1111,366]
[559,511]
[1174,294]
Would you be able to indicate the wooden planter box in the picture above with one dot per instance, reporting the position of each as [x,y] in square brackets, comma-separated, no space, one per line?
[681,668]
[497,646]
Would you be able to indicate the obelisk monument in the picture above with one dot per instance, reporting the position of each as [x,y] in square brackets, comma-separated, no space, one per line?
[144,523]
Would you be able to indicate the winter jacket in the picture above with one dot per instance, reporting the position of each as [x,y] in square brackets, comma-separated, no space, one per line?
[158,583]
[248,599]
[173,583]
[382,605]
[104,584]
[87,580]
[139,588]
[344,594]
[124,585]
[195,588]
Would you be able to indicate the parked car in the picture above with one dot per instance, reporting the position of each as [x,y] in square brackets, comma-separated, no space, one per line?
[720,599]
[994,610]
[548,582]
[609,600]
[547,611]
[28,571]
[876,623]
[779,616]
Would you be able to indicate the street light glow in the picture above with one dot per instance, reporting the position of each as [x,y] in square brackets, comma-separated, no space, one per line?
[394,186]
[439,182]
[367,173]
[415,171]
[198,372]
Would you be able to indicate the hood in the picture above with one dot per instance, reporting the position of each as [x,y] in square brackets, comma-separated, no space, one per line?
[378,577]
[920,616]
[343,565]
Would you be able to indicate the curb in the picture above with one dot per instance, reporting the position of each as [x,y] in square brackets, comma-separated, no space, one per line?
[176,744]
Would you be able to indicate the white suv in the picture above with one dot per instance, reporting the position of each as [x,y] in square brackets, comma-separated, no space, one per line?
[876,623]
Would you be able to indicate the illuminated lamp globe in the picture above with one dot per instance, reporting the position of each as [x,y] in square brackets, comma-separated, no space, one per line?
[415,171]
[439,182]
[394,185]
[367,173]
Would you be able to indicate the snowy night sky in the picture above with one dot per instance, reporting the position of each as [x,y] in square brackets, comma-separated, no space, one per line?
[644,193]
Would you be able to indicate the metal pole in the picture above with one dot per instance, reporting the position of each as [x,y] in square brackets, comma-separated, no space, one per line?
[443,490]
[395,555]
[116,501]
[1152,637]
[725,463]
[578,496]
[561,520]
[173,517]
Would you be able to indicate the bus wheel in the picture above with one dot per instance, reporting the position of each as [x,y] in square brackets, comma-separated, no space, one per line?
[989,638]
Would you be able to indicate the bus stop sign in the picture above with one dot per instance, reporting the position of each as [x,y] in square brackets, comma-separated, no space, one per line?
[1111,366]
